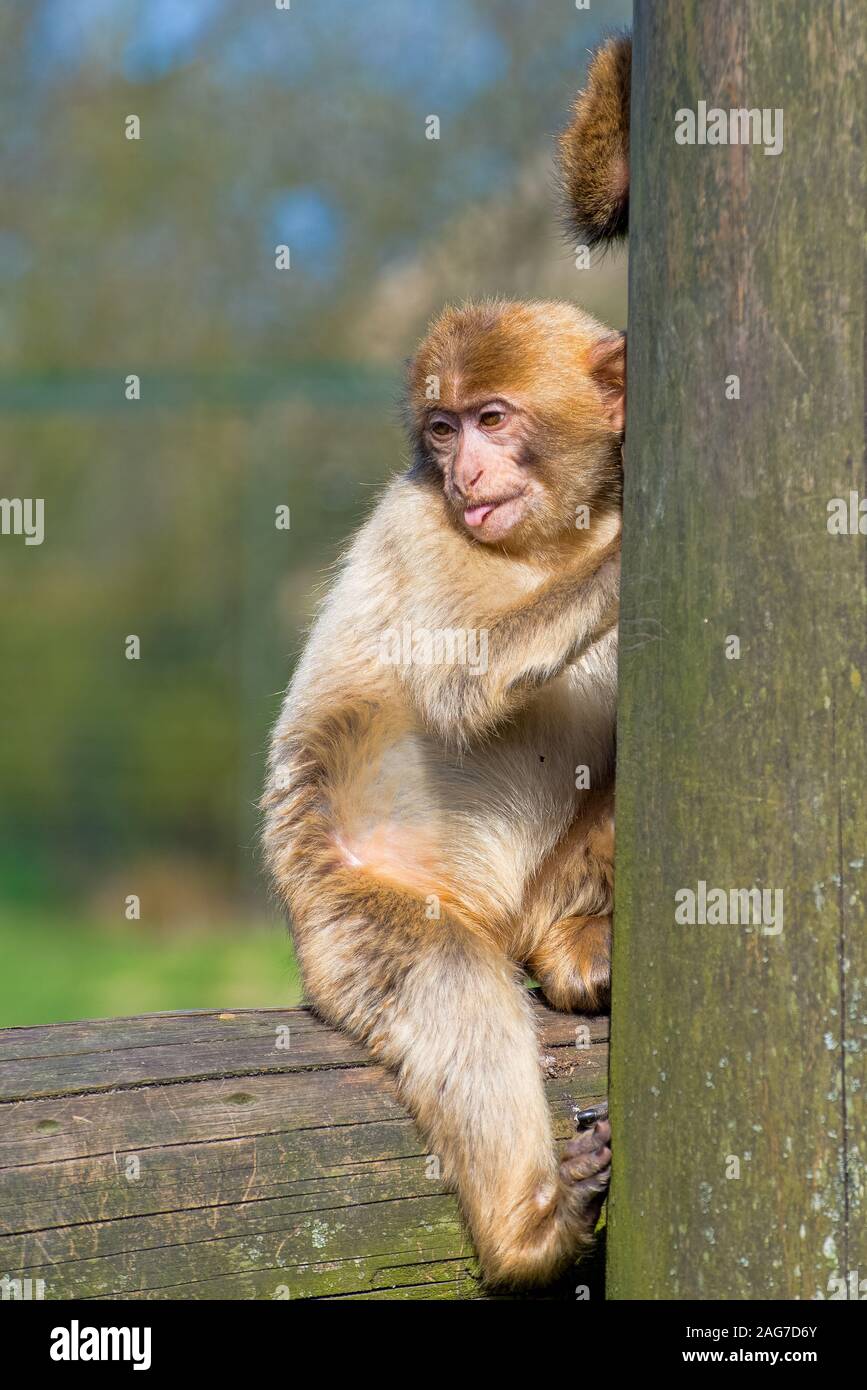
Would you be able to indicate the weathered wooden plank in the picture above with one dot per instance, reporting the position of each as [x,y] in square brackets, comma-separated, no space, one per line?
[168,1047]
[734,1043]
[109,1054]
[185,1156]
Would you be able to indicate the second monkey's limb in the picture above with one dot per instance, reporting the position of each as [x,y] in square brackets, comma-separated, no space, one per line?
[594,148]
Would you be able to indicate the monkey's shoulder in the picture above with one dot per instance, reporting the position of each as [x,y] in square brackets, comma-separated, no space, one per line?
[389,568]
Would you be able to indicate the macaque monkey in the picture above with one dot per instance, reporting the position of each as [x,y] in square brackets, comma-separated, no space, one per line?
[439,805]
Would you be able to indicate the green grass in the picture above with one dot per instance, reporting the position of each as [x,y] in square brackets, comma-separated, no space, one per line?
[52,970]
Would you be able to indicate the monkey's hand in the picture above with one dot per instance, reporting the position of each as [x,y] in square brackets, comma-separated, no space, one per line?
[526,646]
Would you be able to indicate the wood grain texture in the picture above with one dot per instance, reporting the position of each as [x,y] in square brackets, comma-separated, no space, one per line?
[256,1154]
[747,772]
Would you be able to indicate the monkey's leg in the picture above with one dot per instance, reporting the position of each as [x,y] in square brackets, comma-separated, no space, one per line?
[570,907]
[444,1010]
[573,964]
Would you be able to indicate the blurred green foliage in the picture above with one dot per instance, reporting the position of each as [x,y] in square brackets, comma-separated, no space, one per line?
[259,388]
[67,968]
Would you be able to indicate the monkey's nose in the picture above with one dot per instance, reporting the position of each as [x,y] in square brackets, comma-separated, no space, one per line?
[466,488]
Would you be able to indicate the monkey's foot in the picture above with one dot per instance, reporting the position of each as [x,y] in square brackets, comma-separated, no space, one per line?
[573,964]
[592,962]
[585,1172]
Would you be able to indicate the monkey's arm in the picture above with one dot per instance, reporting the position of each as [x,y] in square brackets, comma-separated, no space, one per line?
[527,646]
[594,148]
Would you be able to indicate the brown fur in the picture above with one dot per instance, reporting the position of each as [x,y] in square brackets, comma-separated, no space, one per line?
[594,149]
[557,363]
[423,825]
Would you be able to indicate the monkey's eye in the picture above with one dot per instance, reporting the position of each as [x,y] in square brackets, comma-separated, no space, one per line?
[441,428]
[489,419]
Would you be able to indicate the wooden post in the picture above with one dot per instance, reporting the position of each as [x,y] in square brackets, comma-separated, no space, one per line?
[739,1084]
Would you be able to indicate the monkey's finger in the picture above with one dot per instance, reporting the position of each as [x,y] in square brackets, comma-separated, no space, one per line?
[589,1140]
[588,1168]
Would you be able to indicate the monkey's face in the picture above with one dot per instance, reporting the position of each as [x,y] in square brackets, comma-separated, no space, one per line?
[516,412]
[484,455]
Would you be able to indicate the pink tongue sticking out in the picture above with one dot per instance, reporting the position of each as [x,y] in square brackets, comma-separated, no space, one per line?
[474,516]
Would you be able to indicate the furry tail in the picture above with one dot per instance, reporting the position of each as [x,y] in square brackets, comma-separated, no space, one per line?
[594,149]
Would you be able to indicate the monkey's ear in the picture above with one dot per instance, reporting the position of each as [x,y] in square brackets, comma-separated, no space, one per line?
[606,363]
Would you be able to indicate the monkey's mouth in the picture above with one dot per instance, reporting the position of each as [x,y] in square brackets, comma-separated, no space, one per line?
[499,515]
